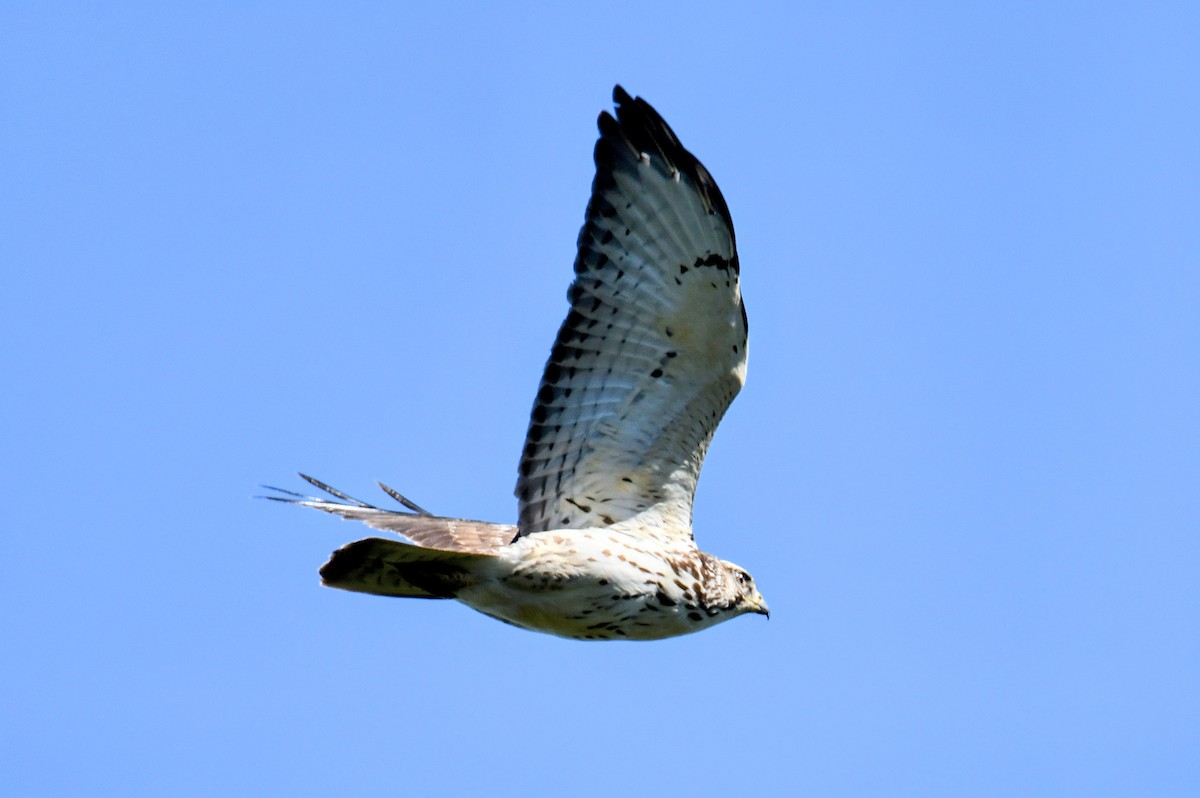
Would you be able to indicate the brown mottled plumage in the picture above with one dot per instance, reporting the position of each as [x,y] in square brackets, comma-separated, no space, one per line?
[651,354]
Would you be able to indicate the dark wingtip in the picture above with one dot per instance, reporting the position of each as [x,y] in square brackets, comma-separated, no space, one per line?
[281,490]
[332,491]
[643,129]
[287,496]
[404,500]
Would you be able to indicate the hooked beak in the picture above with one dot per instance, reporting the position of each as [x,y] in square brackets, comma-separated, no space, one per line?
[758,605]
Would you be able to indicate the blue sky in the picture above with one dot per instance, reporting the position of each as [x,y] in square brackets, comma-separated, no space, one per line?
[241,241]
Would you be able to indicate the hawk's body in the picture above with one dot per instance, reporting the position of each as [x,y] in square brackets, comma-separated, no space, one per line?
[651,354]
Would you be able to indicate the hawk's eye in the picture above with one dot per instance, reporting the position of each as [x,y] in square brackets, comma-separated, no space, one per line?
[743,577]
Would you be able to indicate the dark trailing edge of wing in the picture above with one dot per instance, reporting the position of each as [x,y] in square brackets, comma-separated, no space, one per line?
[640,127]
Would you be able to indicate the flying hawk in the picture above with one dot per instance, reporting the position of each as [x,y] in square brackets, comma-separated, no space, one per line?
[650,356]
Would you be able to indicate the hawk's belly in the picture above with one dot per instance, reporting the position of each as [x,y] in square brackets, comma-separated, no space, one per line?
[589,585]
[585,614]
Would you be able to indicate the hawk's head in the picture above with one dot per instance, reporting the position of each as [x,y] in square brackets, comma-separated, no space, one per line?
[732,589]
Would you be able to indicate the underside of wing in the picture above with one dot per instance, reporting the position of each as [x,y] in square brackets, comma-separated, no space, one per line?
[653,349]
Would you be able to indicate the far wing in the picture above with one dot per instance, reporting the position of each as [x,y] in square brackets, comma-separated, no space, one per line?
[653,349]
[422,528]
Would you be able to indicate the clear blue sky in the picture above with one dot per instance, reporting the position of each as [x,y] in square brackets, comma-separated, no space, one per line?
[240,242]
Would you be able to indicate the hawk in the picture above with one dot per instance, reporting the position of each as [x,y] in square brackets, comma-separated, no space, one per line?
[651,354]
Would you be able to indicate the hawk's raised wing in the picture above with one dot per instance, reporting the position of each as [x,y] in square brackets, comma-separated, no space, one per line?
[653,349]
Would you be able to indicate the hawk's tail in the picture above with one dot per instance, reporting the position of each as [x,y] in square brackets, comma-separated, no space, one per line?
[392,568]
[448,551]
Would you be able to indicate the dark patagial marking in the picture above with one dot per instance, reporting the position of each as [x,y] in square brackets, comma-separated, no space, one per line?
[712,260]
[695,616]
